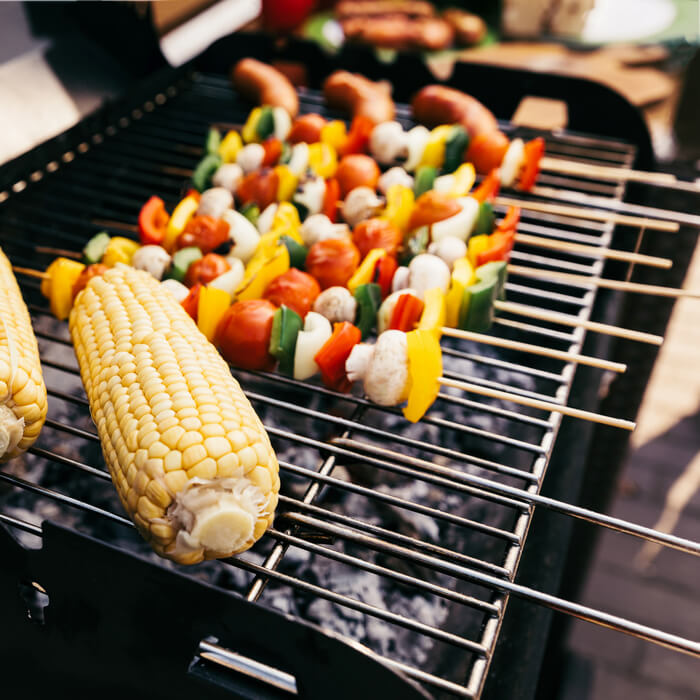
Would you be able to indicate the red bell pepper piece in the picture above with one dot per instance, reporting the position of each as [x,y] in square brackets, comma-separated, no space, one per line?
[384,273]
[510,220]
[534,150]
[407,313]
[358,136]
[500,245]
[273,151]
[488,189]
[153,220]
[330,199]
[191,301]
[331,357]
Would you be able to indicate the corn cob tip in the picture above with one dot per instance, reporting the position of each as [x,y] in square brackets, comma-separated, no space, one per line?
[11,431]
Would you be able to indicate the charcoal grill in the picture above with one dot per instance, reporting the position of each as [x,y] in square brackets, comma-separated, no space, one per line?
[402,542]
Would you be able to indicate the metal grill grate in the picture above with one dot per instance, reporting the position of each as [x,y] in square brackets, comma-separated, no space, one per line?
[378,519]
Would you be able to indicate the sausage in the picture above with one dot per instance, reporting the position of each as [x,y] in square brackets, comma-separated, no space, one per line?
[373,8]
[400,32]
[359,96]
[264,85]
[437,104]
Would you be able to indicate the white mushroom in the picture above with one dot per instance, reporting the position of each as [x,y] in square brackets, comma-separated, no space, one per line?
[177,289]
[267,217]
[318,227]
[244,235]
[310,194]
[428,271]
[513,161]
[358,361]
[153,259]
[214,202]
[417,139]
[386,377]
[317,330]
[386,310]
[360,204]
[448,249]
[400,279]
[336,304]
[461,224]
[394,176]
[282,122]
[299,159]
[250,157]
[230,279]
[388,142]
[228,176]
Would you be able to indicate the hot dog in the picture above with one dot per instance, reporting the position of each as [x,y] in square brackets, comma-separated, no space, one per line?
[263,84]
[359,96]
[400,32]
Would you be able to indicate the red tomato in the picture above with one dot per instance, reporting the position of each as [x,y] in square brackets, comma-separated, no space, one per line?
[356,170]
[307,128]
[332,262]
[191,302]
[273,151]
[377,233]
[203,232]
[432,207]
[294,289]
[486,151]
[259,187]
[243,334]
[282,15]
[206,269]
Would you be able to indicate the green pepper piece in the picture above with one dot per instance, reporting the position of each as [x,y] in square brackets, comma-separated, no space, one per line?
[369,299]
[497,269]
[95,248]
[251,211]
[455,146]
[286,325]
[201,178]
[485,219]
[301,208]
[417,244]
[266,123]
[182,259]
[425,177]
[213,141]
[297,252]
[476,310]
[286,154]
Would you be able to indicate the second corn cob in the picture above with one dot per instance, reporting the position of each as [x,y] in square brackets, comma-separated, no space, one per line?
[22,389]
[191,461]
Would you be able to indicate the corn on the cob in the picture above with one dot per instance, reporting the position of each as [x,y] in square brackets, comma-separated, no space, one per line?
[191,461]
[22,389]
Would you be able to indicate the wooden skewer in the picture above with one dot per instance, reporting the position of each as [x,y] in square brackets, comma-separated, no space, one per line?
[534,349]
[585,213]
[108,223]
[59,251]
[567,320]
[602,282]
[30,273]
[594,251]
[536,403]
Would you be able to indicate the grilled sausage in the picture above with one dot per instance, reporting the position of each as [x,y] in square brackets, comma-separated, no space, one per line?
[263,84]
[400,32]
[374,8]
[359,96]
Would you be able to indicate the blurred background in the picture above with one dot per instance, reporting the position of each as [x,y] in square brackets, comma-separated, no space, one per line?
[59,62]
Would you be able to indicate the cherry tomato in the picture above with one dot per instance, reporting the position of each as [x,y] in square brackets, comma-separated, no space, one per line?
[86,275]
[273,151]
[332,262]
[356,170]
[377,233]
[191,302]
[295,289]
[259,187]
[486,151]
[243,334]
[432,207]
[206,269]
[307,128]
[203,232]
[283,15]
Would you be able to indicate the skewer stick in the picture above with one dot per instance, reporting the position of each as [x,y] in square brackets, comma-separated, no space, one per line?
[38,274]
[568,320]
[534,349]
[594,251]
[585,213]
[536,403]
[602,282]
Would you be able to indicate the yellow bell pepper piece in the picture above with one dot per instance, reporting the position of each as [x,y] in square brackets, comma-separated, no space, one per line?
[229,147]
[433,317]
[119,250]
[424,370]
[287,184]
[335,134]
[476,245]
[434,151]
[462,276]
[249,132]
[399,205]
[260,272]
[286,215]
[465,177]
[183,212]
[364,273]
[323,159]
[211,307]
[62,274]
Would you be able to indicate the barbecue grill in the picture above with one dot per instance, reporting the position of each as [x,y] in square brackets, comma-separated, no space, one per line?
[396,550]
